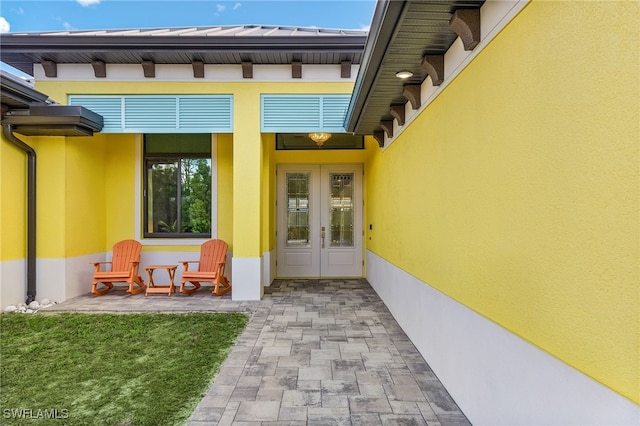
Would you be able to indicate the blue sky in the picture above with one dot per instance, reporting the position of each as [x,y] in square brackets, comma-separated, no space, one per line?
[61,15]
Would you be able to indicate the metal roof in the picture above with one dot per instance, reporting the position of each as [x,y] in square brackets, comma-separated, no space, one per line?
[402,32]
[218,31]
[212,45]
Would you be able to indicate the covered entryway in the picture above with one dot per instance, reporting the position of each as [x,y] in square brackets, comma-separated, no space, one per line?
[319,221]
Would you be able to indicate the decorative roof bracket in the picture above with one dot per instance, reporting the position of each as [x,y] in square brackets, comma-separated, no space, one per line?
[50,68]
[466,23]
[434,66]
[296,69]
[412,93]
[378,135]
[398,113]
[345,69]
[247,69]
[149,68]
[198,69]
[99,69]
[387,126]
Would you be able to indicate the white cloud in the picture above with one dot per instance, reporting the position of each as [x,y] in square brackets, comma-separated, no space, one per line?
[4,25]
[85,3]
[220,7]
[20,11]
[67,26]
[236,6]
[365,27]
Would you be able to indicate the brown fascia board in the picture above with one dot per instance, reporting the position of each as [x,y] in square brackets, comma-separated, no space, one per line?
[42,44]
[386,16]
[18,50]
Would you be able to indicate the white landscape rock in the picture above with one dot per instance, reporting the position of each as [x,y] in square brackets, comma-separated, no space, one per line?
[33,307]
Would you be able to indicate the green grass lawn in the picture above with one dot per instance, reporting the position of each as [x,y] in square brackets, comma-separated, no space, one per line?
[110,369]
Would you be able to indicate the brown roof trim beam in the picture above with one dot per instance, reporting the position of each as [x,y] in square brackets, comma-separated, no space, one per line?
[247,69]
[198,69]
[296,69]
[407,43]
[412,93]
[345,69]
[149,69]
[50,69]
[387,126]
[398,113]
[378,135]
[99,69]
[434,66]
[466,23]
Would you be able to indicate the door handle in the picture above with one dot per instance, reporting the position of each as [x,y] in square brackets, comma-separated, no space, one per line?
[322,236]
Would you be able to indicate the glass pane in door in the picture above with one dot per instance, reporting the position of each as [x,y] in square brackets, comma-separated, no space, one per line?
[341,210]
[298,187]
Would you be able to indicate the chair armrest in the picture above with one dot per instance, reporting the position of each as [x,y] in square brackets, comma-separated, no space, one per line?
[134,266]
[186,263]
[97,265]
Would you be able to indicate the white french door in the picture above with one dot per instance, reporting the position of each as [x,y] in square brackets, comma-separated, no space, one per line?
[319,221]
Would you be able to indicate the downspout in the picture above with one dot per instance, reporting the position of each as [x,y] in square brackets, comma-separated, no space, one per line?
[7,130]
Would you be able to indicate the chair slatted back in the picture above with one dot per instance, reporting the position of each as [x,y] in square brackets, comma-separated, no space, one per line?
[125,252]
[212,252]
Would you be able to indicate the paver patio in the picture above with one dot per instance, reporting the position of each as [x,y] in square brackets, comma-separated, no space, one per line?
[315,352]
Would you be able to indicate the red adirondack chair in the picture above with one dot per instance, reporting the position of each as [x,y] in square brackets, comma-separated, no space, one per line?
[124,268]
[213,258]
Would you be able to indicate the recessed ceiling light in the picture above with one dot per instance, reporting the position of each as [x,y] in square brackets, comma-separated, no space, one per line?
[404,74]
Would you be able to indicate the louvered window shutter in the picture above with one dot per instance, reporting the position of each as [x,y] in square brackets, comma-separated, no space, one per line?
[161,113]
[109,107]
[303,113]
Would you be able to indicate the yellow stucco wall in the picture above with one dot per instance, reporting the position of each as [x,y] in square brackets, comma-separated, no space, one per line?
[13,202]
[268,192]
[100,198]
[119,192]
[51,192]
[85,196]
[516,192]
[70,212]
[247,174]
[117,155]
[225,189]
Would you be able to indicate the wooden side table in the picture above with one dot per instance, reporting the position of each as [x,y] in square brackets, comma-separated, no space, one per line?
[153,287]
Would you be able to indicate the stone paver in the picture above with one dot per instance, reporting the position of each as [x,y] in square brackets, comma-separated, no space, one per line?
[315,352]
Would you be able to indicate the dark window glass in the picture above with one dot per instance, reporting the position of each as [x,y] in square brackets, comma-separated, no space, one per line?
[300,141]
[177,186]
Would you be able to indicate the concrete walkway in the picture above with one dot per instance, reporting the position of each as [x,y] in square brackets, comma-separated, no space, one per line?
[315,352]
